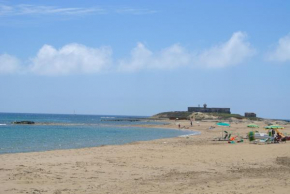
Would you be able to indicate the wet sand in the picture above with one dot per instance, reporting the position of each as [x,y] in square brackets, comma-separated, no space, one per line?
[193,164]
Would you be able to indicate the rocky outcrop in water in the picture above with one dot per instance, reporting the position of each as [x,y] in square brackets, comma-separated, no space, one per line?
[23,122]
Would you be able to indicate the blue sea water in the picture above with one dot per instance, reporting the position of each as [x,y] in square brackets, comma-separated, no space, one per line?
[73,131]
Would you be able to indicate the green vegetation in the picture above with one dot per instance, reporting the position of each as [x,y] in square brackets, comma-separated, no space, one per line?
[254,118]
[203,116]
[176,114]
[226,115]
[237,116]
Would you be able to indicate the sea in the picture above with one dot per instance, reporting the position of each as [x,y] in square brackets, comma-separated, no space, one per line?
[70,131]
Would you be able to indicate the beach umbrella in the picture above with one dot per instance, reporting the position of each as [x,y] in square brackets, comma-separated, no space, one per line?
[253,126]
[274,127]
[223,124]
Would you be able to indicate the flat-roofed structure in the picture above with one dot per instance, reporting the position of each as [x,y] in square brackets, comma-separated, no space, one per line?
[209,110]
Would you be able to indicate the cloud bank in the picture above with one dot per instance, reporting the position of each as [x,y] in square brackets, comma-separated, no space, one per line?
[80,59]
[235,51]
[70,59]
[282,51]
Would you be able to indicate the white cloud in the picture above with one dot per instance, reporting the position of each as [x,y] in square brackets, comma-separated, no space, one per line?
[282,51]
[9,64]
[26,9]
[142,58]
[4,10]
[71,59]
[33,9]
[230,53]
[79,59]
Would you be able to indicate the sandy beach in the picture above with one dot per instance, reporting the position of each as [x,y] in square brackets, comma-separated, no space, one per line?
[193,164]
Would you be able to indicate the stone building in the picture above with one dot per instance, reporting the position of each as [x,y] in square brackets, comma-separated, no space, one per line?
[209,110]
[250,114]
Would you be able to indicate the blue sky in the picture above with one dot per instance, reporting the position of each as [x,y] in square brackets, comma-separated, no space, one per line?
[144,57]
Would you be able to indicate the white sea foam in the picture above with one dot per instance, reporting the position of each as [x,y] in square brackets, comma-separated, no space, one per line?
[196,133]
[2,124]
[107,117]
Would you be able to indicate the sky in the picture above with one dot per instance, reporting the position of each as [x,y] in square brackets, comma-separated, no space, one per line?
[141,58]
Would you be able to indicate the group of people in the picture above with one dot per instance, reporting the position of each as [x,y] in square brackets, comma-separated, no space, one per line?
[191,124]
[277,137]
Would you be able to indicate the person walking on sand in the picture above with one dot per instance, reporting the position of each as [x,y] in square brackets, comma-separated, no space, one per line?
[191,122]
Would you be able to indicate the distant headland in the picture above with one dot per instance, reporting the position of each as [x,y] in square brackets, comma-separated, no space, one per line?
[205,113]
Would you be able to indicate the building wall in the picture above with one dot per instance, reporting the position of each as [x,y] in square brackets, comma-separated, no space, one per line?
[214,110]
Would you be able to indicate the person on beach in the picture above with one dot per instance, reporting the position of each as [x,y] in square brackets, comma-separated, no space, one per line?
[191,122]
[273,132]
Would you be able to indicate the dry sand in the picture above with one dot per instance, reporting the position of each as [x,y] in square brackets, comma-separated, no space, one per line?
[186,165]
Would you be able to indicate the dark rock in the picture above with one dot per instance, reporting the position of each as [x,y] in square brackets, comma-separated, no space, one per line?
[24,122]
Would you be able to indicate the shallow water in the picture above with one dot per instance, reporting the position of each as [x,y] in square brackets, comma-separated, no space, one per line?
[73,131]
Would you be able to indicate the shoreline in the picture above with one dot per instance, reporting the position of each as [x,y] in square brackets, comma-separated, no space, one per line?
[193,164]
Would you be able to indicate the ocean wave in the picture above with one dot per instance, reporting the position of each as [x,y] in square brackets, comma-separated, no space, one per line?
[107,117]
[2,124]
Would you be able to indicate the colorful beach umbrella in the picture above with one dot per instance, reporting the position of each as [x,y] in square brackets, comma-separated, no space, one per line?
[253,126]
[274,127]
[223,124]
